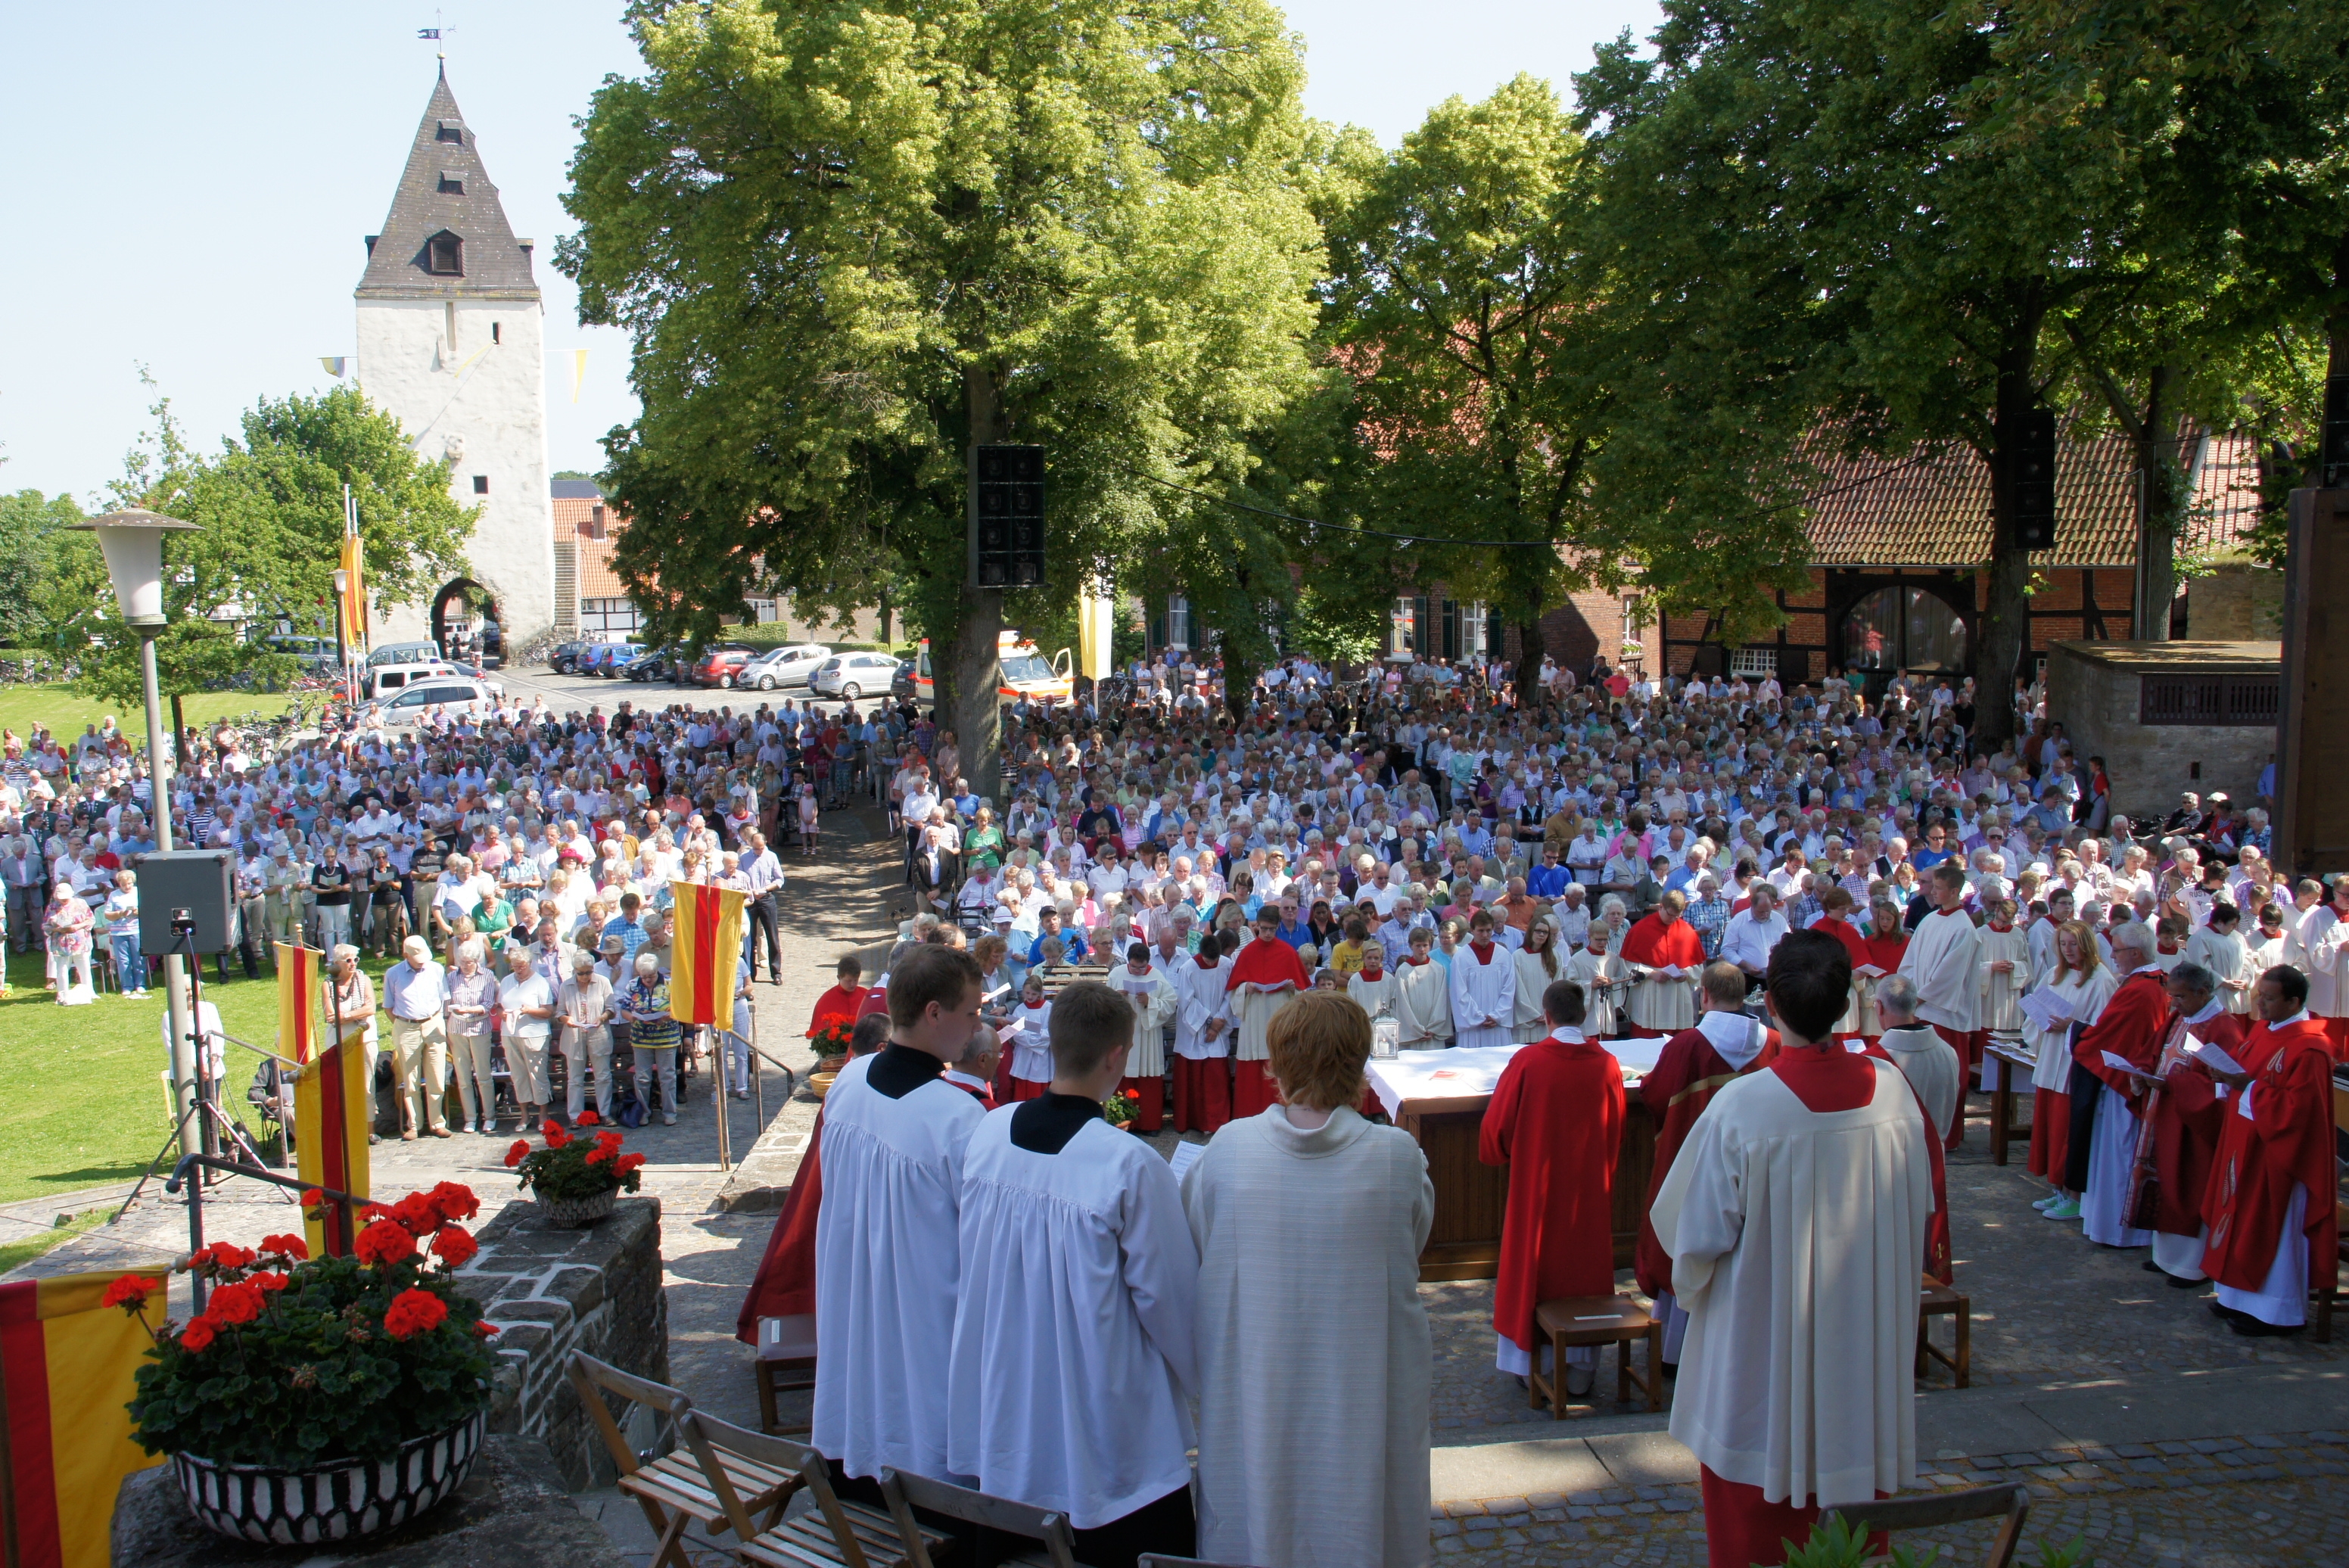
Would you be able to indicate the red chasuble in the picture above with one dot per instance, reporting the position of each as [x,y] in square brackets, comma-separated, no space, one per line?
[1680,1086]
[785,1286]
[2286,1142]
[1262,962]
[2132,1027]
[1655,946]
[2188,1119]
[1554,1120]
[1843,931]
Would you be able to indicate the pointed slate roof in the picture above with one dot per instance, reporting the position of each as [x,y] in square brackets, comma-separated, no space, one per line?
[445,190]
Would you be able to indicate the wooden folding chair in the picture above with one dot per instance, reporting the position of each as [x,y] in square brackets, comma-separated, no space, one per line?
[674,1490]
[1946,1507]
[908,1493]
[837,1534]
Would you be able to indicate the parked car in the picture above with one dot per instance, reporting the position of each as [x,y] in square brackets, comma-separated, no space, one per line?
[413,653]
[491,643]
[457,696]
[721,666]
[383,680]
[786,667]
[850,675]
[651,665]
[607,658]
[901,684]
[564,657]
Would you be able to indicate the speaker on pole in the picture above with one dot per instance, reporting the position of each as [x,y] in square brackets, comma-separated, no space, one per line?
[1006,515]
[196,881]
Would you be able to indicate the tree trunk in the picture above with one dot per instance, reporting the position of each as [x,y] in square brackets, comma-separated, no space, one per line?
[1531,647]
[1239,681]
[2161,510]
[2005,640]
[977,678]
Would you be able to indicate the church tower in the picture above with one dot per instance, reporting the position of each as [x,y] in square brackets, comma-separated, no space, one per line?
[452,341]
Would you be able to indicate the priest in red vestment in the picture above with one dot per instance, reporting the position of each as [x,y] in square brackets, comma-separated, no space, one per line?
[785,1286]
[1265,976]
[1661,940]
[2270,1205]
[1554,1121]
[1694,1065]
[1834,919]
[2183,1115]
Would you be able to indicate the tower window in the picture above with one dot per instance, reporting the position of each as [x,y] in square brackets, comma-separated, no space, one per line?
[495,338]
[595,522]
[452,183]
[444,255]
[480,484]
[450,130]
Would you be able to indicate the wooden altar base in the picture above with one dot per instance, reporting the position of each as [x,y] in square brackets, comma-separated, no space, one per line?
[1471,1197]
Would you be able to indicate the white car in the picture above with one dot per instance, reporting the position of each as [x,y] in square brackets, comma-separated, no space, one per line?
[457,696]
[389,680]
[850,675]
[787,666]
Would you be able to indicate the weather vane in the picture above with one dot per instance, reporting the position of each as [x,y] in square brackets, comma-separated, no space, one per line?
[433,33]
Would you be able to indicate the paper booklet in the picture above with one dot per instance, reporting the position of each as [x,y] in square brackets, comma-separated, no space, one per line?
[2047,1009]
[2118,1063]
[2209,1054]
[1185,1155]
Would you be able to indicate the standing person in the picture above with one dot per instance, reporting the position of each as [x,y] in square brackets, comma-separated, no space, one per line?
[585,1007]
[1203,1045]
[763,876]
[2270,1204]
[1423,996]
[889,1233]
[470,996]
[1796,1391]
[1152,1002]
[1315,1357]
[527,1002]
[122,934]
[349,1006]
[1265,977]
[2323,936]
[1693,1067]
[653,1035]
[330,891]
[1538,968]
[1484,986]
[2183,1116]
[414,993]
[1943,960]
[1072,1369]
[2109,1058]
[1922,1053]
[1664,953]
[67,923]
[2076,989]
[1554,1121]
[844,1001]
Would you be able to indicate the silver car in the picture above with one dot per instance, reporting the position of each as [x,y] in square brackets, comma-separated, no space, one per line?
[457,697]
[850,675]
[792,666]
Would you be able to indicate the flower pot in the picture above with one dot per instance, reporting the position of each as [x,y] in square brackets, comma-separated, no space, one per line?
[337,1500]
[570,1213]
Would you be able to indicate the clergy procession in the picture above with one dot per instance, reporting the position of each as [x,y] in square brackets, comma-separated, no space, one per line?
[1790,940]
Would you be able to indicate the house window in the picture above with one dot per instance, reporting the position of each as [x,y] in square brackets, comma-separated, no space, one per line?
[608,616]
[1178,621]
[480,484]
[1902,628]
[444,255]
[1755,661]
[1399,619]
[595,521]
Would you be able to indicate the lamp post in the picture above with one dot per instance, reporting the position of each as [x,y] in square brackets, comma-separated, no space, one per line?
[133,545]
[342,653]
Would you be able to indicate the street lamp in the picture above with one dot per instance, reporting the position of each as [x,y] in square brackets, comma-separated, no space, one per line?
[132,542]
[342,653]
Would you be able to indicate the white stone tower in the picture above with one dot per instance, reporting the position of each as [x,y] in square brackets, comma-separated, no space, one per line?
[452,340]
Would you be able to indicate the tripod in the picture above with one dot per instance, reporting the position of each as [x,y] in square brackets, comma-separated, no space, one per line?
[219,1129]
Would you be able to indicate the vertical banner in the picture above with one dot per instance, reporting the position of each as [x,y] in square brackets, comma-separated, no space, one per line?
[707,953]
[578,372]
[355,616]
[297,1003]
[1096,629]
[332,1109]
[68,1361]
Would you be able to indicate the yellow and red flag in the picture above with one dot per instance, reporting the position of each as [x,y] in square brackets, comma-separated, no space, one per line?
[67,1365]
[333,1098]
[707,953]
[297,1002]
[355,612]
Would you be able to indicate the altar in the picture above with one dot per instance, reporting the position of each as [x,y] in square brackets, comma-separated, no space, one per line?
[1439,1098]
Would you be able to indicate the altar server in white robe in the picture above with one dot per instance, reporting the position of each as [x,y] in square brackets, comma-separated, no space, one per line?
[1202,1041]
[1152,996]
[1423,996]
[887,1235]
[2219,948]
[1796,1213]
[1073,1365]
[1483,987]
[1374,987]
[1601,976]
[1537,963]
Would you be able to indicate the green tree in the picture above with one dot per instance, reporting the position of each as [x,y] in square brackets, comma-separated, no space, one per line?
[32,538]
[850,242]
[268,509]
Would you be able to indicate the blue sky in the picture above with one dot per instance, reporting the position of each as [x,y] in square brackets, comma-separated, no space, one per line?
[192,184]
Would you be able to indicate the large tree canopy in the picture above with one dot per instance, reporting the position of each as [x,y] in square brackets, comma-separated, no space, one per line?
[852,240]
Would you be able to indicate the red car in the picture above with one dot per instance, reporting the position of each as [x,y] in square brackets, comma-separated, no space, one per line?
[720,665]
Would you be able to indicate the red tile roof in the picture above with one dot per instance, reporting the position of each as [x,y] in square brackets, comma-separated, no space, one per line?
[574,519]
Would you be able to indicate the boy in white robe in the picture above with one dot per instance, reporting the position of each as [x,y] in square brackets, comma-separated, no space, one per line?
[1483,987]
[887,1234]
[1374,985]
[1152,996]
[1072,1366]
[1202,1042]
[1423,996]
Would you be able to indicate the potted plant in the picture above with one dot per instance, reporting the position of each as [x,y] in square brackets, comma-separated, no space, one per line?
[574,1181]
[1118,1109]
[319,1399]
[830,1044]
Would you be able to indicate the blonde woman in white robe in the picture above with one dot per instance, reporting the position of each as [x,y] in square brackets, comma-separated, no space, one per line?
[2080,983]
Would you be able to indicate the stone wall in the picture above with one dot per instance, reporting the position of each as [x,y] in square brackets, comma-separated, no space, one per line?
[2237,601]
[2094,689]
[551,1292]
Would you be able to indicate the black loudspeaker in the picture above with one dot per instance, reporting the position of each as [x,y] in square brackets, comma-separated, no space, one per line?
[2034,481]
[197,881]
[1006,515]
[2334,452]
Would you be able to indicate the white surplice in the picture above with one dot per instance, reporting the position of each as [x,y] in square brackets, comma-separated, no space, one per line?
[1072,1364]
[1526,1024]
[1029,1037]
[1481,991]
[1423,1003]
[2112,1156]
[1600,975]
[1942,958]
[1795,1238]
[1252,1012]
[1932,1068]
[1152,1001]
[887,1242]
[1199,1000]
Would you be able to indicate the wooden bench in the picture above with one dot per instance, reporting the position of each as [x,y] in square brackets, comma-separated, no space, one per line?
[1938,1299]
[1578,1320]
[2013,1502]
[2015,1057]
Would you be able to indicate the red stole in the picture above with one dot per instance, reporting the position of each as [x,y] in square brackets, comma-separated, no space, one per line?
[785,1286]
[1554,1121]
[2131,1026]
[2286,1142]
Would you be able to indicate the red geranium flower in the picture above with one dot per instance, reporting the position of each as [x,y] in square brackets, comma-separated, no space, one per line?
[418,1214]
[515,1156]
[239,1303]
[628,1162]
[588,1118]
[131,1291]
[608,1141]
[292,1247]
[486,1330]
[456,1201]
[312,1197]
[271,1281]
[221,1255]
[384,1244]
[454,1245]
[196,1335]
[553,1133]
[414,1311]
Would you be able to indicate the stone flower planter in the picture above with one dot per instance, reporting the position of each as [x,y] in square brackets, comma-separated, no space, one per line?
[341,1499]
[570,1213]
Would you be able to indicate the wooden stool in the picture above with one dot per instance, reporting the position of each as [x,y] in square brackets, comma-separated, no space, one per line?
[1575,1320]
[1938,1299]
[785,1365]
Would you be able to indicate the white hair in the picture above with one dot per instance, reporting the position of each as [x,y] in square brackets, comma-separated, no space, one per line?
[2133,935]
[1897,996]
[416,950]
[472,948]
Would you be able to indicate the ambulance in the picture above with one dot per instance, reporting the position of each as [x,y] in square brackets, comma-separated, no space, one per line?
[1023,670]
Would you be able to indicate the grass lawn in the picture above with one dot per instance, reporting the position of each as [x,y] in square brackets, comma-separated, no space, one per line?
[21,1246]
[88,1104]
[65,712]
